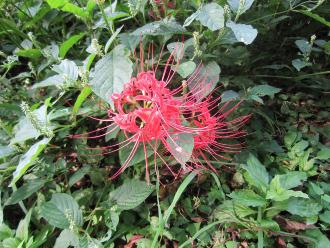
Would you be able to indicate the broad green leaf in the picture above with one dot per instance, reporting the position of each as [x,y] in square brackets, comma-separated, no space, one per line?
[229,95]
[28,158]
[240,6]
[248,198]
[292,179]
[62,211]
[25,191]
[67,69]
[243,33]
[323,154]
[208,78]
[139,155]
[291,137]
[300,64]
[111,72]
[11,243]
[181,146]
[166,26]
[185,69]
[300,146]
[303,207]
[6,151]
[177,49]
[66,45]
[55,80]
[264,90]
[5,232]
[257,173]
[211,16]
[131,194]
[230,209]
[325,217]
[320,240]
[303,46]
[74,9]
[67,238]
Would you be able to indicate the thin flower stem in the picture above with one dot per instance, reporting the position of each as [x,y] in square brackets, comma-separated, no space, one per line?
[105,18]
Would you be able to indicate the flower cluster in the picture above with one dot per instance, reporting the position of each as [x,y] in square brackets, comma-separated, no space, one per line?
[155,115]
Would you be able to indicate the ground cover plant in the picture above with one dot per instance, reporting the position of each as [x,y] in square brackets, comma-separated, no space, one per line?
[165,123]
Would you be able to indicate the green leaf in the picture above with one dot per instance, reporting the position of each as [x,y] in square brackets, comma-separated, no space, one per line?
[67,238]
[11,243]
[5,232]
[239,6]
[243,33]
[292,179]
[264,90]
[187,68]
[66,45]
[139,155]
[111,72]
[31,53]
[323,154]
[303,46]
[6,151]
[81,98]
[300,64]
[230,209]
[248,198]
[131,194]
[62,211]
[167,26]
[257,173]
[315,16]
[303,207]
[300,146]
[22,231]
[56,3]
[229,95]
[79,174]
[181,146]
[211,16]
[208,78]
[25,191]
[321,241]
[74,9]
[112,38]
[28,158]
[325,217]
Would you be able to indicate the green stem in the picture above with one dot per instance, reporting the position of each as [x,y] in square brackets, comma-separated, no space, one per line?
[260,232]
[105,18]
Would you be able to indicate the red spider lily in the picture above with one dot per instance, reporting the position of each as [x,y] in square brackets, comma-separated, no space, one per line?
[153,115]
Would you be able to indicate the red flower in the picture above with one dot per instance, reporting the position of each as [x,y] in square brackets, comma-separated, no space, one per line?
[150,114]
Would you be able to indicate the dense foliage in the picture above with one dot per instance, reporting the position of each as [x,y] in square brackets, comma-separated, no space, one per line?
[62,60]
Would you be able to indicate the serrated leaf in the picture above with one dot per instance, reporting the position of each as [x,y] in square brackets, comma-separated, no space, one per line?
[62,211]
[111,72]
[67,238]
[25,191]
[181,146]
[257,173]
[28,158]
[248,198]
[212,16]
[166,26]
[243,33]
[303,207]
[131,194]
